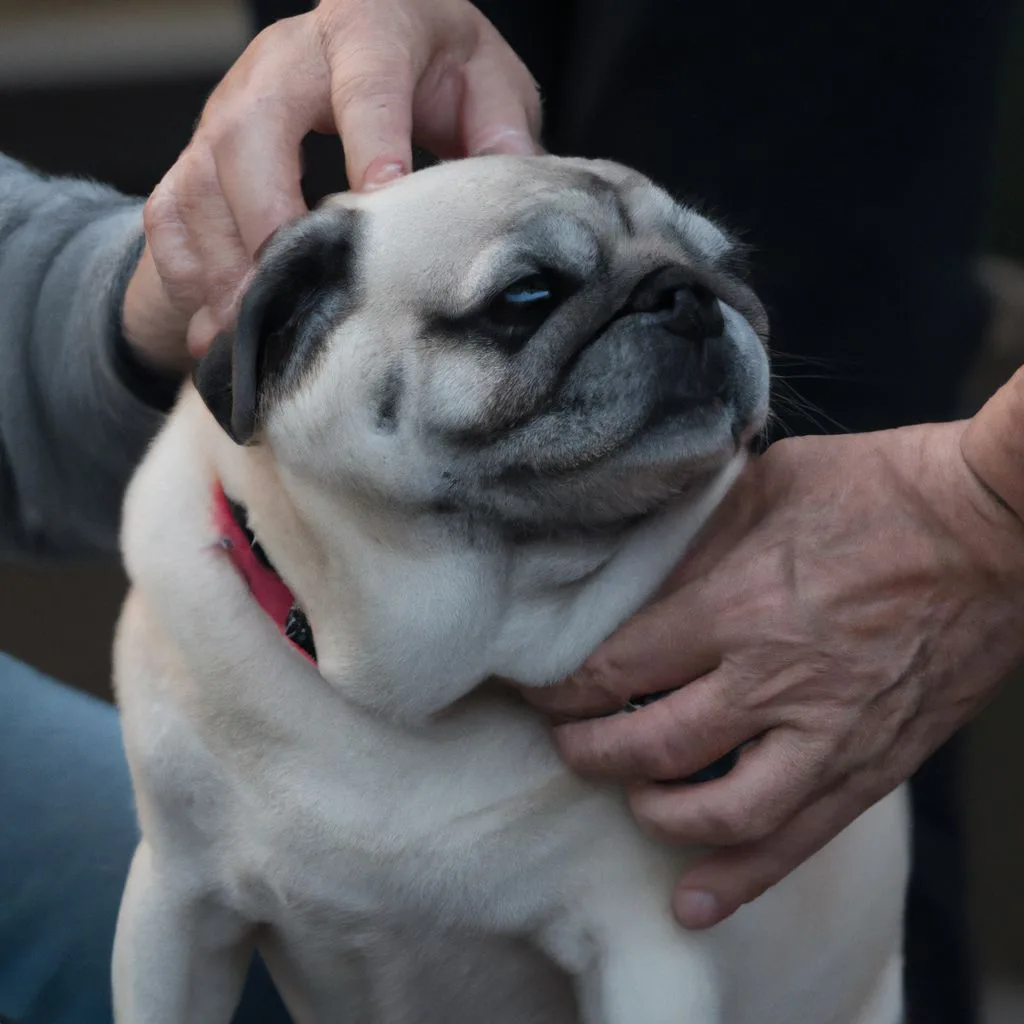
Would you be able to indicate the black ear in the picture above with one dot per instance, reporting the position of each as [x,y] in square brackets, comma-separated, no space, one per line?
[303,286]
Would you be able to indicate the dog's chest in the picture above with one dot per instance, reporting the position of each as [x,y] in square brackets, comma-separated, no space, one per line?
[473,816]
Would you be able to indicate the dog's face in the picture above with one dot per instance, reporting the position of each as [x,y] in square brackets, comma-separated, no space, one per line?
[536,342]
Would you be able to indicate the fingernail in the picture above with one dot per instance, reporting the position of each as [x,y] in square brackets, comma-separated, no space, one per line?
[378,177]
[696,908]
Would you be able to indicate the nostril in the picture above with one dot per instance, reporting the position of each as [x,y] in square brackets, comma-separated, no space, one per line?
[663,302]
[679,304]
[696,314]
[656,293]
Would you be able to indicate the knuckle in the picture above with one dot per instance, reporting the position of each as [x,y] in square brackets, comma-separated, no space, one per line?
[655,818]
[365,87]
[758,822]
[333,23]
[731,829]
[597,673]
[166,234]
[185,188]
[160,211]
[659,829]
[268,39]
[724,826]
[222,132]
[661,760]
[365,62]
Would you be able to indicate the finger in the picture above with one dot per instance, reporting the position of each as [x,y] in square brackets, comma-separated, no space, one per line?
[663,647]
[718,885]
[665,741]
[548,699]
[256,120]
[203,328]
[214,238]
[167,243]
[772,781]
[259,169]
[372,97]
[577,697]
[501,109]
[193,236]
[208,322]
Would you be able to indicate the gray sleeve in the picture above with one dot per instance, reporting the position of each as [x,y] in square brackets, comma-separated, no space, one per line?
[76,412]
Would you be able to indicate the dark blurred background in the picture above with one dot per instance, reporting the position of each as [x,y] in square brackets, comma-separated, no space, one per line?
[111,88]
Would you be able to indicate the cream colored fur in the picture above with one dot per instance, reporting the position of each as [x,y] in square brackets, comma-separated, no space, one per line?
[397,837]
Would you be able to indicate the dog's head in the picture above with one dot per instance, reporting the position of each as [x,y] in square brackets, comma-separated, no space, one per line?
[540,343]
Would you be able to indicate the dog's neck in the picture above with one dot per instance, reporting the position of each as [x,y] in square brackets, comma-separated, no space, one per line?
[410,615]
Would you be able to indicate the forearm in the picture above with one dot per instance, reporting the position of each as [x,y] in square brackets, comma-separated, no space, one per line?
[76,410]
[993,444]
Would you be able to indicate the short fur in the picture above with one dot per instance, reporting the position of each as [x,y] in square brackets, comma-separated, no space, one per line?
[452,499]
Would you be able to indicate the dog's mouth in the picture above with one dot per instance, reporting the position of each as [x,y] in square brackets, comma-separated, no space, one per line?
[634,390]
[644,411]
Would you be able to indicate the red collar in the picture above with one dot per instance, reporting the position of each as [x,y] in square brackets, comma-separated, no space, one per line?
[269,590]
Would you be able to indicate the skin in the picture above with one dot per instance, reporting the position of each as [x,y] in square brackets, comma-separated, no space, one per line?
[382,74]
[852,605]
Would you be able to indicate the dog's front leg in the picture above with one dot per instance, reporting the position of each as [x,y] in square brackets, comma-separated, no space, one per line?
[650,975]
[632,962]
[178,958]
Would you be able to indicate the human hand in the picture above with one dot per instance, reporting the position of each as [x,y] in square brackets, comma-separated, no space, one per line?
[381,73]
[855,601]
[150,322]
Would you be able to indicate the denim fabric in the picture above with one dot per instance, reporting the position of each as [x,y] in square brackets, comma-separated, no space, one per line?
[67,833]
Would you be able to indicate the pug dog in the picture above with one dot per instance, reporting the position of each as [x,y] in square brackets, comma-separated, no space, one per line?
[462,430]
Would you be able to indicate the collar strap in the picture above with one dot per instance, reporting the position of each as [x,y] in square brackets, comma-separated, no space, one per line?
[269,590]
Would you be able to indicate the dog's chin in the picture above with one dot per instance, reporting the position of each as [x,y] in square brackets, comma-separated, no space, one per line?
[673,461]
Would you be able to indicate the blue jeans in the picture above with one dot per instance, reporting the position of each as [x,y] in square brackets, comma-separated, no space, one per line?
[67,834]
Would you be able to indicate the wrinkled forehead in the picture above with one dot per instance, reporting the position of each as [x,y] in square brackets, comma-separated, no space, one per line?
[497,216]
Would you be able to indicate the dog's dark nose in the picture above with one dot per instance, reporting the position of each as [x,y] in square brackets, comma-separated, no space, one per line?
[679,304]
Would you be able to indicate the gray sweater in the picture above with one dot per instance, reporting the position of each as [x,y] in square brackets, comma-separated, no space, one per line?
[76,410]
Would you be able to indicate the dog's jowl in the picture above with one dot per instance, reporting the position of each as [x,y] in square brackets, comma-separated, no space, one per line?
[462,430]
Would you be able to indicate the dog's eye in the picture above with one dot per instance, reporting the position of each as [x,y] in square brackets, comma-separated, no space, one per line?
[522,307]
[527,292]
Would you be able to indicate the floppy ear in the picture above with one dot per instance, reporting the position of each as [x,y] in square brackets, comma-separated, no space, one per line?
[303,285]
